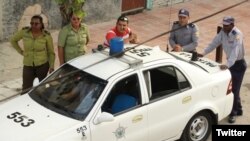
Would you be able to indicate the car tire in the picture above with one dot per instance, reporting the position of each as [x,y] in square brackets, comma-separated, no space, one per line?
[198,128]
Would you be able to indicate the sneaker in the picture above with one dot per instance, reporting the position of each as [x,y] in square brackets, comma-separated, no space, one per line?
[231,119]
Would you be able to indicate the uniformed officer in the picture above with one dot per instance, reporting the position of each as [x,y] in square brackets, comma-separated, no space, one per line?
[187,35]
[38,51]
[231,39]
[73,38]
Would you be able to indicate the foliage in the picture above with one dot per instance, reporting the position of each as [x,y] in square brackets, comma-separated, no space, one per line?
[67,7]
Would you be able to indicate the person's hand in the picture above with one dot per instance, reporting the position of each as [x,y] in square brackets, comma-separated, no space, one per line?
[177,48]
[133,38]
[223,67]
[200,55]
[67,96]
[126,41]
[51,70]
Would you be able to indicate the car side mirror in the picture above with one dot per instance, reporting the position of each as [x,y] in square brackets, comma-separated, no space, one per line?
[104,117]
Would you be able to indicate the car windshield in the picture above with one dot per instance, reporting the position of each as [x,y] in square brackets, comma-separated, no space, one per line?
[69,91]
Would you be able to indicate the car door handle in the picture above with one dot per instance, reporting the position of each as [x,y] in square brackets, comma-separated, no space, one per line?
[186,99]
[137,118]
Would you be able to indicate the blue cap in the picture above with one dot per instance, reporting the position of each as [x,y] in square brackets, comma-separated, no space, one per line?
[183,12]
[227,20]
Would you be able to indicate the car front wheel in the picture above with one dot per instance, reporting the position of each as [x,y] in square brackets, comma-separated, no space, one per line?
[198,128]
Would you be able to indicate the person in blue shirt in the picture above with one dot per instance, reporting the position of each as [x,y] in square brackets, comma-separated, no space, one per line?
[186,35]
[231,39]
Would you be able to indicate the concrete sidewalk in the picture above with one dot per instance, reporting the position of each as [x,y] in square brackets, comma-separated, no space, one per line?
[147,25]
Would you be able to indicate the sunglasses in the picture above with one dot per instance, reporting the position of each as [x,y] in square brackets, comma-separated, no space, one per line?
[34,23]
[76,19]
[123,19]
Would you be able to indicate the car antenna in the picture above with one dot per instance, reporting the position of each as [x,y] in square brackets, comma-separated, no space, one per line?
[169,25]
[117,54]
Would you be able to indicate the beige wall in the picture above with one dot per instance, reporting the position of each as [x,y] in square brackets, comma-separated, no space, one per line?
[28,13]
[16,13]
[16,16]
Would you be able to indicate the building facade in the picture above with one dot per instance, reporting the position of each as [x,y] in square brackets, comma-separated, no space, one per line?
[15,14]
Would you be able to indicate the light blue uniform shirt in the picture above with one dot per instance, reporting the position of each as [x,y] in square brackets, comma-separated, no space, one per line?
[232,45]
[187,37]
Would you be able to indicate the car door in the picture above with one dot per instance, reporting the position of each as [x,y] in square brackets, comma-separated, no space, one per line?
[168,102]
[129,121]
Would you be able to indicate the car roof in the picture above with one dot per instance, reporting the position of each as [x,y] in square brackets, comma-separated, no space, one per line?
[102,65]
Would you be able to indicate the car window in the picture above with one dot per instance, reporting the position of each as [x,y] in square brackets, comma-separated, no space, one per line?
[69,91]
[124,95]
[163,81]
[182,80]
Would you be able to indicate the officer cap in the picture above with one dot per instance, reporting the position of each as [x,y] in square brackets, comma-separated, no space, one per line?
[183,12]
[227,20]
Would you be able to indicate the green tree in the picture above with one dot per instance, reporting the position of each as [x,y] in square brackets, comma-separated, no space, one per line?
[67,7]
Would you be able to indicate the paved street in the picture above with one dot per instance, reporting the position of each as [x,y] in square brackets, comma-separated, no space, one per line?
[147,25]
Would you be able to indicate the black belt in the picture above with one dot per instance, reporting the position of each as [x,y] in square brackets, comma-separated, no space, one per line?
[240,61]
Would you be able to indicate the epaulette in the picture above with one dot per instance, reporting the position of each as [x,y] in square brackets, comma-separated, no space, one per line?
[176,22]
[83,26]
[191,25]
[234,32]
[26,27]
[46,32]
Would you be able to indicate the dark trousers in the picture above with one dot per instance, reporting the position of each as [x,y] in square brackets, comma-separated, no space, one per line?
[237,72]
[31,72]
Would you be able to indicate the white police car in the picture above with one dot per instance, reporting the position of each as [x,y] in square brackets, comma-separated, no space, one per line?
[144,95]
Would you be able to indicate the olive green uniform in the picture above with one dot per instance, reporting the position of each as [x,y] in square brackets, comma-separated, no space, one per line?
[73,42]
[37,51]
[38,55]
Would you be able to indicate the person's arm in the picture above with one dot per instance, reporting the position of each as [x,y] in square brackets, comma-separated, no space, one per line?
[195,37]
[61,55]
[51,53]
[214,44]
[172,39]
[15,39]
[133,38]
[109,36]
[62,37]
[88,35]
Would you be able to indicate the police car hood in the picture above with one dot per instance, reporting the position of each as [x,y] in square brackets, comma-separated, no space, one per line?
[22,119]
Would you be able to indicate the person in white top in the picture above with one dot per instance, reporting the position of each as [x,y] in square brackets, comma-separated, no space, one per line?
[231,39]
